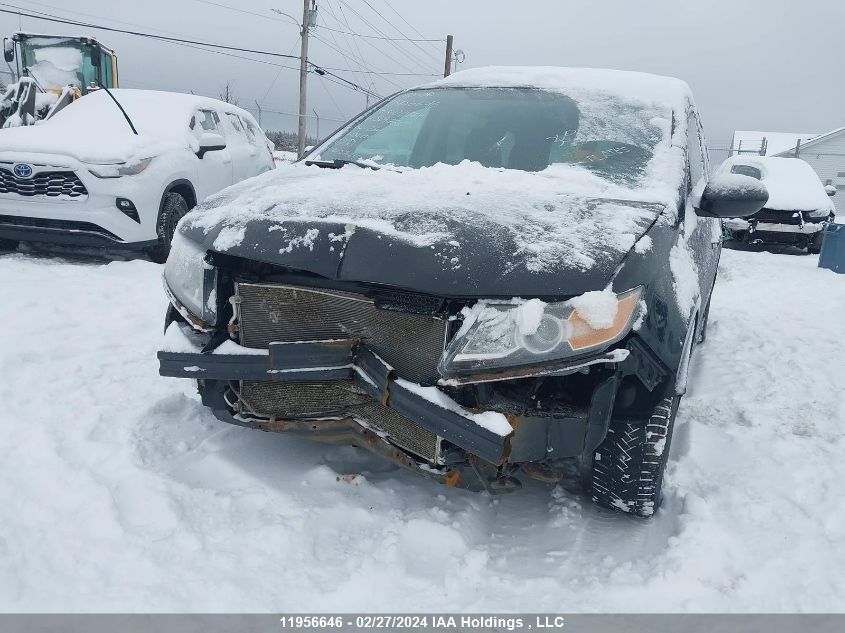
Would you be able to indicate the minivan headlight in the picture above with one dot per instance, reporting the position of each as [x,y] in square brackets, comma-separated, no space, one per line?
[190,279]
[498,335]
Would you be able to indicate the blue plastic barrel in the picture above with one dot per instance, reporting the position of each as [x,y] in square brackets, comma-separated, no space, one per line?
[833,248]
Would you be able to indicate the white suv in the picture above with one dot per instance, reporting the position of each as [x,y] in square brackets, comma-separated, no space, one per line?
[118,170]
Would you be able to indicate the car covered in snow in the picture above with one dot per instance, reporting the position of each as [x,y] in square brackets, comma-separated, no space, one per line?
[117,170]
[799,206]
[496,276]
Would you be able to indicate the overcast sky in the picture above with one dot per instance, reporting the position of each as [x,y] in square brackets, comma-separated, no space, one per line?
[753,64]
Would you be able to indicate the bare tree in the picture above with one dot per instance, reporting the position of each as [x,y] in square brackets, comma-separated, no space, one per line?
[228,94]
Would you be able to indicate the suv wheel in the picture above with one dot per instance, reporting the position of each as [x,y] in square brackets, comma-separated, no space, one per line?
[7,246]
[628,467]
[173,209]
[815,245]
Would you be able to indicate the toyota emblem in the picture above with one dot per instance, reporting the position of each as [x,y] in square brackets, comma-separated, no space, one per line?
[23,170]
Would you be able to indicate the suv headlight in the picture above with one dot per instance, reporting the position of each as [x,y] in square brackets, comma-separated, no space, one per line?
[190,279]
[123,169]
[511,335]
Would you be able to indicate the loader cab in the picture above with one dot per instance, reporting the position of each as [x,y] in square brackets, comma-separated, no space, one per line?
[57,61]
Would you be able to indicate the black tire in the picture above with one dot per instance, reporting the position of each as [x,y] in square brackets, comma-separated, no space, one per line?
[7,246]
[815,245]
[173,208]
[628,466]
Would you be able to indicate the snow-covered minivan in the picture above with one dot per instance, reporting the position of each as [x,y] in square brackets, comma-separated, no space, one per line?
[799,206]
[117,170]
[498,276]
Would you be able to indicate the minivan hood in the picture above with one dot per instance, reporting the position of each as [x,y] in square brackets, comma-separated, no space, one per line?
[435,230]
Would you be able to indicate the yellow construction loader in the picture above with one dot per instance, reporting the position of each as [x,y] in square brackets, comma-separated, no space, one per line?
[52,71]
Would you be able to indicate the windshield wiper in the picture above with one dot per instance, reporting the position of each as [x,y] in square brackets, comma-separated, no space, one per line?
[337,163]
[117,103]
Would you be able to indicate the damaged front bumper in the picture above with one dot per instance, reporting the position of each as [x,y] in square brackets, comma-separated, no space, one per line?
[470,442]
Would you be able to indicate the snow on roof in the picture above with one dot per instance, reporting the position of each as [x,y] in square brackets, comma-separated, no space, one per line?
[625,84]
[791,182]
[776,142]
[820,138]
[93,129]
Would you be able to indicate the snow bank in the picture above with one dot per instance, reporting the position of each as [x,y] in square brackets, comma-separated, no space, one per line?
[792,184]
[122,493]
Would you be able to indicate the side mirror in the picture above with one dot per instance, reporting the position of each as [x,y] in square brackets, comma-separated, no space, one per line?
[210,142]
[830,190]
[8,50]
[732,196]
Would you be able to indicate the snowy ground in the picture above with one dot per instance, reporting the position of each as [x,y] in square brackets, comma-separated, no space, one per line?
[120,492]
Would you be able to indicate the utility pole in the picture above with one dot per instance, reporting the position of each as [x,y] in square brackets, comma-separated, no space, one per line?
[318,125]
[448,69]
[258,106]
[303,76]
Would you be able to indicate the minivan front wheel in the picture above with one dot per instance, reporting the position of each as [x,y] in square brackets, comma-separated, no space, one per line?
[628,466]
[173,208]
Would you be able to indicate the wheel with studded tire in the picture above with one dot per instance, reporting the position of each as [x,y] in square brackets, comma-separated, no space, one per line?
[628,466]
[173,208]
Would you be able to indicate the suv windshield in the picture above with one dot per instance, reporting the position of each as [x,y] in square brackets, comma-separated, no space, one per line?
[512,128]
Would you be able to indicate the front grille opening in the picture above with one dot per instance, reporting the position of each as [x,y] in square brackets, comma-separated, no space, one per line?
[51,184]
[411,343]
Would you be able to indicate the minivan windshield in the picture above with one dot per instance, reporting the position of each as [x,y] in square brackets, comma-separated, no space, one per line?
[512,128]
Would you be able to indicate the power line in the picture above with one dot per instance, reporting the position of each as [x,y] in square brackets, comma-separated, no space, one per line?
[413,58]
[362,68]
[366,35]
[374,72]
[51,18]
[422,50]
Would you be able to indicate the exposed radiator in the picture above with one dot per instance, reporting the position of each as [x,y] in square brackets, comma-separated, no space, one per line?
[411,343]
[338,400]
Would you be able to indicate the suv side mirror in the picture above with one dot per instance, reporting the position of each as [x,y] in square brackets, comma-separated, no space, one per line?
[8,50]
[830,190]
[732,196]
[210,142]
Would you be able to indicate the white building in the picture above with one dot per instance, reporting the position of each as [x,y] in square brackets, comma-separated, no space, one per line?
[824,152]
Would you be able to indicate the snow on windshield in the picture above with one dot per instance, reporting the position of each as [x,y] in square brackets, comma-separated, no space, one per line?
[57,66]
[514,128]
